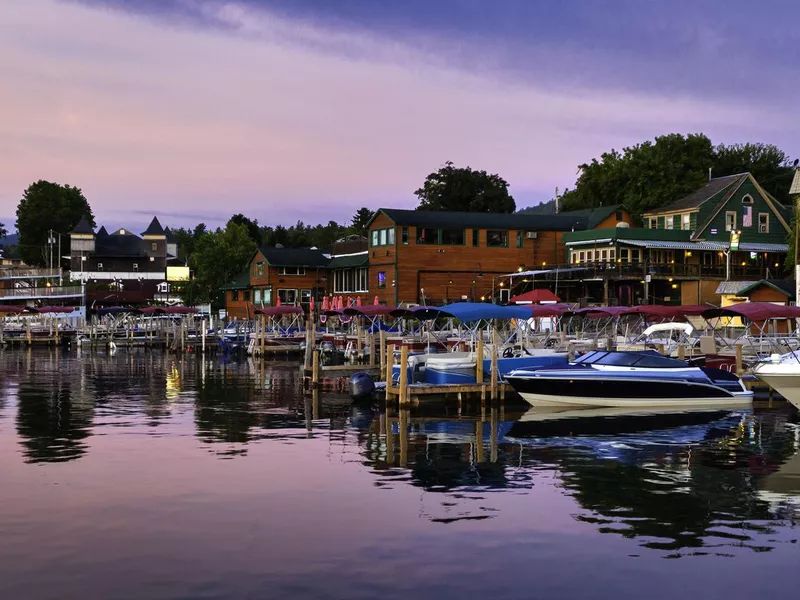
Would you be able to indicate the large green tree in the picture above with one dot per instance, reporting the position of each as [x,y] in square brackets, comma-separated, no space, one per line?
[463,189]
[644,176]
[216,259]
[253,230]
[360,220]
[45,206]
[3,231]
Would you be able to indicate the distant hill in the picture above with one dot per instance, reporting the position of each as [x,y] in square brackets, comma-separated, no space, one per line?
[545,208]
[12,239]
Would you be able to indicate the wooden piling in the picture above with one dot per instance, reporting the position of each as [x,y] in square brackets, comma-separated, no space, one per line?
[371,350]
[681,352]
[494,374]
[571,351]
[403,374]
[739,367]
[315,368]
[479,358]
[382,335]
[479,456]
[309,345]
[403,426]
[387,361]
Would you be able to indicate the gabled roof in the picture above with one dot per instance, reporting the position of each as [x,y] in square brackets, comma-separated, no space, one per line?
[594,216]
[102,232]
[349,261]
[745,288]
[482,220]
[294,257]
[700,196]
[794,190]
[154,228]
[83,227]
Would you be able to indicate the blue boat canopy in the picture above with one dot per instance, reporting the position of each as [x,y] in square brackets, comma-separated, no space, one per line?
[476,311]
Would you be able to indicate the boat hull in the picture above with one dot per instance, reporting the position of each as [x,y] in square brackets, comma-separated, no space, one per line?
[628,392]
[786,385]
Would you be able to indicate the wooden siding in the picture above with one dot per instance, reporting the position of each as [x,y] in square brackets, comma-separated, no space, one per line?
[270,278]
[611,220]
[764,293]
[238,308]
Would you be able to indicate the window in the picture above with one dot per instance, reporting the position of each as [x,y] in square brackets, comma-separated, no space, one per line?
[763,223]
[291,270]
[618,216]
[287,296]
[381,279]
[497,238]
[603,255]
[235,295]
[383,237]
[154,246]
[624,255]
[257,296]
[346,281]
[686,222]
[247,295]
[99,266]
[581,256]
[668,222]
[305,296]
[452,237]
[475,238]
[259,269]
[574,256]
[135,267]
[426,235]
[730,220]
[520,239]
[748,199]
[266,297]
[660,223]
[404,236]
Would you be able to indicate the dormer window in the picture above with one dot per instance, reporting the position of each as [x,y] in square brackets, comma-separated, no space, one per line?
[748,199]
[122,232]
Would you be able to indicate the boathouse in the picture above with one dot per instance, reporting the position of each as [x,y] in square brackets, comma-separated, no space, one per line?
[289,276]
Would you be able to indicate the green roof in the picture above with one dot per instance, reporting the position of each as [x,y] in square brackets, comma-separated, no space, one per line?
[349,261]
[629,233]
[240,282]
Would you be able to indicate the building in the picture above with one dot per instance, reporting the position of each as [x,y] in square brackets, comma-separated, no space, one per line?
[122,267]
[780,291]
[439,257]
[730,229]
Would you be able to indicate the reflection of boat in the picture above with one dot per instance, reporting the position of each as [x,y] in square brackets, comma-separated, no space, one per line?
[629,379]
[784,484]
[782,373]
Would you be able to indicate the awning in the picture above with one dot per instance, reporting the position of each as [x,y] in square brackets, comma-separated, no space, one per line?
[664,245]
[589,242]
[754,311]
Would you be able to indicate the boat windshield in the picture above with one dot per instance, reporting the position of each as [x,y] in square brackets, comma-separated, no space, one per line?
[646,359]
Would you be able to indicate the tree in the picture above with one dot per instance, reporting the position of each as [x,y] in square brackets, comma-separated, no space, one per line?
[45,206]
[645,176]
[253,230]
[3,231]
[187,238]
[360,220]
[769,164]
[462,189]
[217,258]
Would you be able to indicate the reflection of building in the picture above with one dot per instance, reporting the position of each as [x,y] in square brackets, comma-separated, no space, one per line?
[121,267]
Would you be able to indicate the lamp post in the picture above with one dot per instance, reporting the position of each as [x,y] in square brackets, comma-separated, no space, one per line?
[734,246]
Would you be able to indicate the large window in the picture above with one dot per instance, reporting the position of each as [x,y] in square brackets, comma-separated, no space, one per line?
[383,237]
[442,237]
[305,297]
[257,296]
[287,296]
[686,221]
[346,281]
[497,238]
[452,237]
[426,235]
[404,236]
[291,270]
[258,269]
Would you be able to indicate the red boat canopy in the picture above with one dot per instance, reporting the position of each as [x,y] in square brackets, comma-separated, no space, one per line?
[279,311]
[599,312]
[42,310]
[11,308]
[547,310]
[534,297]
[665,312]
[370,310]
[754,311]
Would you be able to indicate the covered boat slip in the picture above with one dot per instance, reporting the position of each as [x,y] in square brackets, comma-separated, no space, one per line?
[21,325]
[171,326]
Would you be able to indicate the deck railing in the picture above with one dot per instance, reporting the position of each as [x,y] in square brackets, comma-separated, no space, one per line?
[29,273]
[41,292]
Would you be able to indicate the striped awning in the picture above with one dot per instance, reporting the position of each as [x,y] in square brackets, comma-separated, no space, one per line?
[590,242]
[658,244]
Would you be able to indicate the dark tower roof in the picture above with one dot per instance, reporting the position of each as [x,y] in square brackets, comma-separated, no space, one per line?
[83,226]
[154,228]
[102,232]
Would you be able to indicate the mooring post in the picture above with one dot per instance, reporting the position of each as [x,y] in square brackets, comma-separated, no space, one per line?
[388,365]
[403,374]
[571,351]
[681,352]
[382,336]
[403,426]
[479,358]
[739,367]
[315,368]
[28,330]
[495,348]
[371,351]
[203,325]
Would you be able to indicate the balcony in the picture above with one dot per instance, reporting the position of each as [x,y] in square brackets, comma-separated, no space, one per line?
[41,293]
[29,273]
[610,270]
[86,276]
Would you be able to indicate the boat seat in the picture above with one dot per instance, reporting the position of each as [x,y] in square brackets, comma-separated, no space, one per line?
[708,345]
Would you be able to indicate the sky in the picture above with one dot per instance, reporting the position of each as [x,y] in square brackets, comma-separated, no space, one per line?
[290,110]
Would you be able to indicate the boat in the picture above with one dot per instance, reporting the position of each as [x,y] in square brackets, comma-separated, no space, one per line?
[629,379]
[782,373]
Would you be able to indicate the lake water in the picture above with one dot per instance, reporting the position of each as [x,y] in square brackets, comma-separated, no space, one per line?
[144,477]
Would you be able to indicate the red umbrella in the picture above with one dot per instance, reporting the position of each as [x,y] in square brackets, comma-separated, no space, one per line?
[358,300]
[312,305]
[325,305]
[278,303]
[376,301]
[349,301]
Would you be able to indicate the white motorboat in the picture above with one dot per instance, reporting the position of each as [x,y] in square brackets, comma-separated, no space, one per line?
[782,373]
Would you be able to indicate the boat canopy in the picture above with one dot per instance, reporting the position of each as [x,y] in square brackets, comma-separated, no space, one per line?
[12,308]
[43,310]
[534,296]
[476,311]
[665,312]
[754,311]
[279,311]
[117,310]
[600,312]
[369,310]
[547,310]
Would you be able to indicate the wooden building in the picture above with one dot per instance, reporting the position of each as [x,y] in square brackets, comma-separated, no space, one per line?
[291,275]
[439,257]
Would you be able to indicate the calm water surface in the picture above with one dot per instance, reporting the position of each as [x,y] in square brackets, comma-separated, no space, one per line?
[140,476]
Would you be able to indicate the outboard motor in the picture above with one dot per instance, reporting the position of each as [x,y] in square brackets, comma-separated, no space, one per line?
[361,386]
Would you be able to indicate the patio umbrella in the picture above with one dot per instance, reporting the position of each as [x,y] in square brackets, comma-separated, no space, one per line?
[278,303]
[312,305]
[358,300]
[325,304]
[376,301]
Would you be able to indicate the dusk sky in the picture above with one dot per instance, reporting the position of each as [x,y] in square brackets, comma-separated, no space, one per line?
[309,109]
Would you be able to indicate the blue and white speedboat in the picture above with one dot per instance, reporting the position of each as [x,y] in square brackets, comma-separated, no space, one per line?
[629,379]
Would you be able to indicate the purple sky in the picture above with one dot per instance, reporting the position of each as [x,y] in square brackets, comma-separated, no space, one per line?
[309,109]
